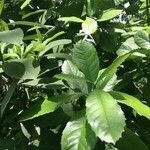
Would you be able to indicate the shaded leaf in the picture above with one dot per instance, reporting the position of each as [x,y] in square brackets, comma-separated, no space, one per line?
[7,143]
[22,68]
[8,96]
[75,82]
[12,37]
[86,59]
[130,141]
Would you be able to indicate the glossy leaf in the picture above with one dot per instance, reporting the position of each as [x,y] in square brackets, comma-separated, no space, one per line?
[77,134]
[12,37]
[111,83]
[127,46]
[109,14]
[132,102]
[86,59]
[69,68]
[142,39]
[106,76]
[54,44]
[104,115]
[44,107]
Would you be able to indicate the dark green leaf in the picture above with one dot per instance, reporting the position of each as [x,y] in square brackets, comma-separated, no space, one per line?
[130,141]
[8,96]
[75,82]
[22,68]
[86,59]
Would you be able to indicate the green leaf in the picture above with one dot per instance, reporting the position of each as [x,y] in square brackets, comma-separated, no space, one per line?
[69,68]
[33,13]
[89,26]
[54,44]
[132,102]
[59,55]
[75,82]
[86,59]
[142,39]
[26,2]
[22,68]
[8,96]
[93,7]
[29,23]
[104,115]
[77,134]
[111,83]
[1,6]
[127,46]
[44,107]
[45,83]
[130,141]
[106,76]
[53,37]
[71,19]
[12,36]
[109,14]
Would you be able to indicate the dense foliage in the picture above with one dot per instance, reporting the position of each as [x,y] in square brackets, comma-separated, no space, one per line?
[74,75]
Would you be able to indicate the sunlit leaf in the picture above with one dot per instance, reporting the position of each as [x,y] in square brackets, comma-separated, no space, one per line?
[132,102]
[109,14]
[104,115]
[77,134]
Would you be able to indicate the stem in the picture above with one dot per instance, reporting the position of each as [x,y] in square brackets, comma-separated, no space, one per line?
[147,12]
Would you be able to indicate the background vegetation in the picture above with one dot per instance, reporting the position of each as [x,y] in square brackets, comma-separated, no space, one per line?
[74,75]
